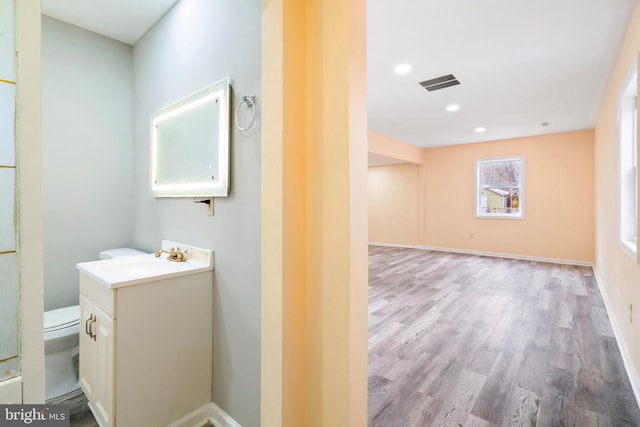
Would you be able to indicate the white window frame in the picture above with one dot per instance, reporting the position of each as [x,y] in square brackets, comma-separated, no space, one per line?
[521,185]
[628,165]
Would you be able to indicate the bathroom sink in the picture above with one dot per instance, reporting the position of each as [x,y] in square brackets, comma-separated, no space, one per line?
[146,265]
[118,272]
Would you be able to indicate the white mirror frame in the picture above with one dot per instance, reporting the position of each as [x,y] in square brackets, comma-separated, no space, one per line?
[214,188]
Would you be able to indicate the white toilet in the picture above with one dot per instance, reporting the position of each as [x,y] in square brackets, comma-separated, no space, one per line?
[61,331]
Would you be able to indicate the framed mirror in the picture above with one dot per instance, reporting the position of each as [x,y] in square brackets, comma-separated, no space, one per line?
[190,145]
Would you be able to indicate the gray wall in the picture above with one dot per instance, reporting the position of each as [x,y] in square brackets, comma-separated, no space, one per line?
[195,44]
[86,152]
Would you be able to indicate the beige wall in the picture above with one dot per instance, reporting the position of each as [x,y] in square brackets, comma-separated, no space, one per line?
[618,274]
[394,204]
[314,245]
[389,147]
[559,220]
[559,213]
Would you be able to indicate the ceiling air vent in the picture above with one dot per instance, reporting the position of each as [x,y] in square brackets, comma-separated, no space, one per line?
[440,82]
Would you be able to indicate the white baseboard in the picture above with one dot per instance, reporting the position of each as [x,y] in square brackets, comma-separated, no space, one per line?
[393,245]
[219,418]
[208,412]
[634,378]
[490,254]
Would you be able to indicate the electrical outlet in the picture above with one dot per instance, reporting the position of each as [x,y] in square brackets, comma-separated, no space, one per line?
[471,235]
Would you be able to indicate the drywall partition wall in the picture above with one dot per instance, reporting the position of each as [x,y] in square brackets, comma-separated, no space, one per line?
[314,339]
[559,215]
[389,147]
[9,328]
[394,204]
[618,274]
[86,149]
[195,44]
[29,199]
[283,220]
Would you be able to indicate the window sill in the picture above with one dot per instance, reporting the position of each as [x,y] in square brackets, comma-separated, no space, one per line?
[499,216]
[630,248]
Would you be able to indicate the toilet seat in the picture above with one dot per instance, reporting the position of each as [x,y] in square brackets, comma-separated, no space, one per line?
[61,338]
[61,318]
[61,335]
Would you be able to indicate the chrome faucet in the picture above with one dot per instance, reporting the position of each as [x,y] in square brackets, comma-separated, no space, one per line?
[173,254]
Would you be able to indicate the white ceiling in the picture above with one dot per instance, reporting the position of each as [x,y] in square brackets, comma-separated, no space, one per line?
[520,63]
[123,20]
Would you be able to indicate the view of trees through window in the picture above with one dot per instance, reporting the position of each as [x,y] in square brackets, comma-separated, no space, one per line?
[499,187]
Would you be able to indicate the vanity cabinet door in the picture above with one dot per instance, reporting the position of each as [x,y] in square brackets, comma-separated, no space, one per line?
[104,374]
[97,333]
[87,348]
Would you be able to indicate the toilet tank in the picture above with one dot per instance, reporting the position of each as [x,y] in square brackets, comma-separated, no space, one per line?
[119,253]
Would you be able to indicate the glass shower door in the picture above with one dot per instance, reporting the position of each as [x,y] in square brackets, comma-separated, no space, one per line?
[9,347]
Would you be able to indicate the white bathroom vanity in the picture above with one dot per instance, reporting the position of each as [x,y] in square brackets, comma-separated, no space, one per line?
[146,337]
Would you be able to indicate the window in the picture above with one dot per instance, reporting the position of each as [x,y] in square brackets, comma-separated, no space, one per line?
[628,135]
[500,188]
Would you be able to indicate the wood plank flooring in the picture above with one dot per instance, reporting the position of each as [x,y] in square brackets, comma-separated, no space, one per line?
[462,340]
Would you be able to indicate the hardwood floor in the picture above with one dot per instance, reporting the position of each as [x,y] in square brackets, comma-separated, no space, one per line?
[463,340]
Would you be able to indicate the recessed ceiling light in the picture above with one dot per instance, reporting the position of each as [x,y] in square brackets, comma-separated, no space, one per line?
[453,107]
[480,129]
[403,68]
